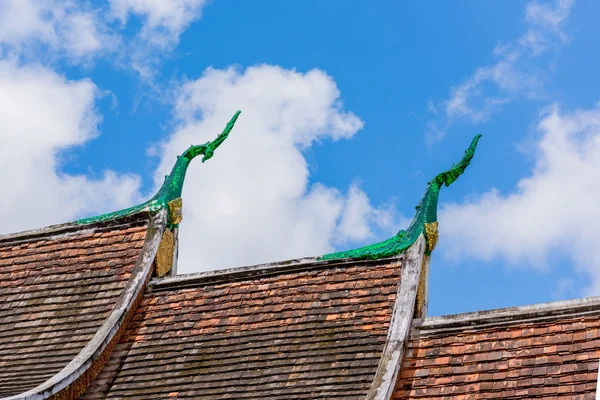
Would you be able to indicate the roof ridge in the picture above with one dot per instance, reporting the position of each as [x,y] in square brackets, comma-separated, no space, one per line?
[249,272]
[507,316]
[69,228]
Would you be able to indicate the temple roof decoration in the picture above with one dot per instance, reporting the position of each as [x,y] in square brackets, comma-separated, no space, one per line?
[424,221]
[169,194]
[93,310]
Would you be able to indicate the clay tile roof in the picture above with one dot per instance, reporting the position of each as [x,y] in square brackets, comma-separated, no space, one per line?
[58,288]
[80,318]
[542,351]
[306,331]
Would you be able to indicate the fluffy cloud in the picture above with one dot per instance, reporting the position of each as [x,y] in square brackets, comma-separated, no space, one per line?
[41,115]
[252,202]
[162,24]
[82,31]
[552,212]
[360,217]
[163,21]
[514,74]
[65,27]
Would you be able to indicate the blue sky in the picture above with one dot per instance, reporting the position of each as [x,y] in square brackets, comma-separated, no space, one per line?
[349,108]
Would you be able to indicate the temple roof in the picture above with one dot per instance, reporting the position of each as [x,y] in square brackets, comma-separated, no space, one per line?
[542,351]
[80,318]
[313,331]
[94,310]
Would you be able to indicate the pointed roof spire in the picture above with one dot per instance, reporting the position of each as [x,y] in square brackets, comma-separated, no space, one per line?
[170,190]
[425,220]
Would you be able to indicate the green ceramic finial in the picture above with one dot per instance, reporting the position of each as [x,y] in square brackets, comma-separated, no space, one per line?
[173,184]
[424,222]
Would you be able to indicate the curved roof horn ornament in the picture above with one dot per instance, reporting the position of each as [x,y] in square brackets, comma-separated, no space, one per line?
[424,222]
[169,194]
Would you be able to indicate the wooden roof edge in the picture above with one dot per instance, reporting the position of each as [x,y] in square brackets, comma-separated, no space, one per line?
[53,232]
[382,387]
[251,272]
[76,376]
[504,317]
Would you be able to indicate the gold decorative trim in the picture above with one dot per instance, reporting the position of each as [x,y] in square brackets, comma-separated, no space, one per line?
[431,234]
[176,211]
[421,303]
[164,255]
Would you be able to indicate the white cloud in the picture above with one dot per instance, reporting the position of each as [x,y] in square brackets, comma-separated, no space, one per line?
[549,18]
[546,25]
[514,74]
[82,31]
[359,218]
[553,212]
[41,115]
[162,23]
[65,27]
[252,202]
[355,223]
[163,20]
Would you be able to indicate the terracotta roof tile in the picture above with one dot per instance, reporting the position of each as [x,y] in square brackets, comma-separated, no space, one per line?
[304,335]
[554,357]
[55,292]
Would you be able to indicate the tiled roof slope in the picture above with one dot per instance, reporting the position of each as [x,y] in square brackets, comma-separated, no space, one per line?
[313,333]
[57,286]
[546,351]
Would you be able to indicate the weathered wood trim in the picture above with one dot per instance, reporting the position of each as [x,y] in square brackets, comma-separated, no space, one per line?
[502,317]
[384,382]
[173,271]
[75,377]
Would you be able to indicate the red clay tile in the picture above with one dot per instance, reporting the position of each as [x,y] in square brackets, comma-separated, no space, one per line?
[540,360]
[55,292]
[305,335]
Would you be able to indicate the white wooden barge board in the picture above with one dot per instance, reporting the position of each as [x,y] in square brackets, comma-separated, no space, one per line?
[384,382]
